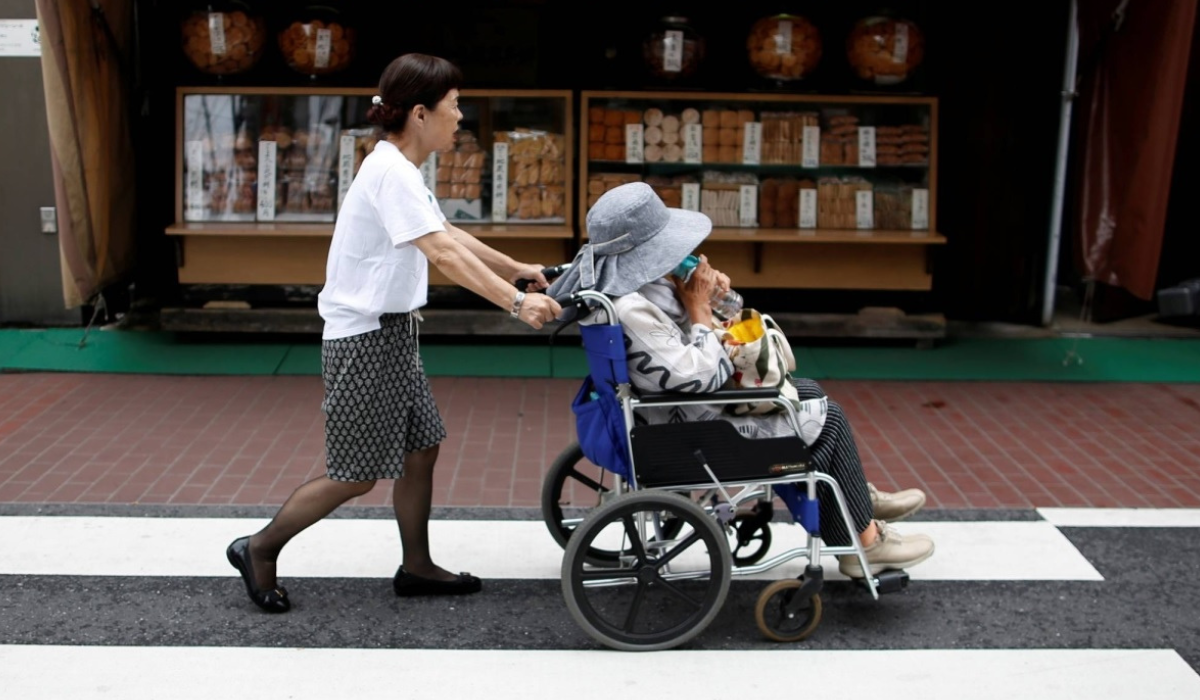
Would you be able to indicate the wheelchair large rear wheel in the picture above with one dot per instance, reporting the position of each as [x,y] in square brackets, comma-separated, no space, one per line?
[658,592]
[573,488]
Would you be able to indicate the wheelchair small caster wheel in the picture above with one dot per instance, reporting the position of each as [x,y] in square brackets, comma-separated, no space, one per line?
[891,581]
[750,540]
[783,616]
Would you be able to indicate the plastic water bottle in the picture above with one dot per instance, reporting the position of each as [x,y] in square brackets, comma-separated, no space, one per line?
[726,305]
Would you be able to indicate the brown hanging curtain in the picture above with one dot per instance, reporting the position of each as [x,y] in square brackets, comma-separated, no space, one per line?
[83,45]
[1133,70]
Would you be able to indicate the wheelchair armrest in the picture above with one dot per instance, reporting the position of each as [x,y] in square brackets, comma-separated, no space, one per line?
[721,396]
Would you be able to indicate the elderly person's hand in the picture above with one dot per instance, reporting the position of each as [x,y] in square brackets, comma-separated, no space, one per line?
[696,294]
[723,281]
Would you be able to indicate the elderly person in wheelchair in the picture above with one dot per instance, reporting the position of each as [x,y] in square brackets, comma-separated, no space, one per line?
[635,242]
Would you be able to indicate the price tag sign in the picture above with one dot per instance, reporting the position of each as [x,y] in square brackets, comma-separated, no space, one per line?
[345,166]
[866,147]
[324,44]
[748,206]
[900,44]
[808,208]
[673,51]
[429,171]
[635,142]
[500,181]
[783,37]
[752,144]
[691,196]
[811,156]
[864,209]
[194,152]
[216,32]
[267,151]
[920,209]
[693,143]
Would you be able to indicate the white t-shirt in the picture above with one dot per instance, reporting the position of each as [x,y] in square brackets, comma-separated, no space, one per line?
[373,267]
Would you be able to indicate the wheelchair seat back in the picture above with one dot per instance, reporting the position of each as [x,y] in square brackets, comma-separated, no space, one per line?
[599,417]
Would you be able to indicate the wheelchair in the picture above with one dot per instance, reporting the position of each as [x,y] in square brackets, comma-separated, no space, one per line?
[679,509]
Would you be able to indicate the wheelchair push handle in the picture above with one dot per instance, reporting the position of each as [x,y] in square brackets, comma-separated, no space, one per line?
[550,272]
[579,299]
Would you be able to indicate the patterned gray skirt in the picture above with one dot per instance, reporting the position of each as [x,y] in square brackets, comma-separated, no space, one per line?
[378,405]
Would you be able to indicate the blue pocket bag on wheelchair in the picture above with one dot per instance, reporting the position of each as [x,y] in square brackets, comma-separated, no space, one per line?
[599,421]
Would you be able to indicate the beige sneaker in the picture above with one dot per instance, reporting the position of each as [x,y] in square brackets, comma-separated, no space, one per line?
[891,550]
[895,506]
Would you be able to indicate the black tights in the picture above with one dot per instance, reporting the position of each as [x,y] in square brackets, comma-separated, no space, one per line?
[412,497]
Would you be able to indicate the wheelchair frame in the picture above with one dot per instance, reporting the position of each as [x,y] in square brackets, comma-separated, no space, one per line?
[733,493]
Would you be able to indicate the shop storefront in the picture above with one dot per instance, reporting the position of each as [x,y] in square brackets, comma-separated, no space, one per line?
[851,157]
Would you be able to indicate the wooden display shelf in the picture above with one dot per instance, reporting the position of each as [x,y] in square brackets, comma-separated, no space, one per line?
[867,259]
[284,252]
[252,228]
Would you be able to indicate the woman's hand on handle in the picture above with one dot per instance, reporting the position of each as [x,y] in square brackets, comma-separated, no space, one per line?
[534,273]
[538,309]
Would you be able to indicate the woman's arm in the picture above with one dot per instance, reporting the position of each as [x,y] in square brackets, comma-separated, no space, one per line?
[464,268]
[498,262]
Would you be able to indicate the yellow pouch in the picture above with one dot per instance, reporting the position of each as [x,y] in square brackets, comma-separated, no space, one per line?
[746,331]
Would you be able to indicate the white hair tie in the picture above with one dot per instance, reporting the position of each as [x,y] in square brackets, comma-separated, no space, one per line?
[377,100]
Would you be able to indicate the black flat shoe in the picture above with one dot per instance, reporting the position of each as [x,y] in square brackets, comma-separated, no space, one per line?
[272,601]
[406,584]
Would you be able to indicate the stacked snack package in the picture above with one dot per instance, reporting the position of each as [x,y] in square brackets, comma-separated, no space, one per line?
[606,132]
[914,145]
[837,201]
[783,136]
[893,206]
[306,174]
[670,189]
[599,183]
[839,140]
[902,145]
[227,169]
[460,178]
[721,197]
[536,175]
[354,145]
[724,134]
[779,202]
[663,134]
[364,140]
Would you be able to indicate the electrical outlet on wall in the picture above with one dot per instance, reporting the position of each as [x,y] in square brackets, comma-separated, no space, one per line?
[49,220]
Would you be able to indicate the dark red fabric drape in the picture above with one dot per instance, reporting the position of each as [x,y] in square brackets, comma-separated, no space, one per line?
[1127,119]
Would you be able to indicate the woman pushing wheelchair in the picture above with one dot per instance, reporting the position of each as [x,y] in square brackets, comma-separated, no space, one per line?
[674,343]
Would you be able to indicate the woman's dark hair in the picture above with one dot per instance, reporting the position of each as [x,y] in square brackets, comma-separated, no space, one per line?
[408,81]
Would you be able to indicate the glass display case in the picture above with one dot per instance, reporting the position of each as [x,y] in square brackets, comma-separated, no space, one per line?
[772,169]
[277,162]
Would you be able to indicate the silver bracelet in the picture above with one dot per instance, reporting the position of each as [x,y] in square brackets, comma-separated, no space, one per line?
[516,305]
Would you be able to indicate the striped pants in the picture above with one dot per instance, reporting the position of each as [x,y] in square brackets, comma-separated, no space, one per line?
[835,454]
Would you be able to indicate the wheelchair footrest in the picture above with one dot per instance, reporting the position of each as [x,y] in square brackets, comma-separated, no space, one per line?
[891,581]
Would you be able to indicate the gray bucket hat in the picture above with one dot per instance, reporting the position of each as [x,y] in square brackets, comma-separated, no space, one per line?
[634,239]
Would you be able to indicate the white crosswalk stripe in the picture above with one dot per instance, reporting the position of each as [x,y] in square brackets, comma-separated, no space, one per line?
[115,546]
[1122,517]
[187,673]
